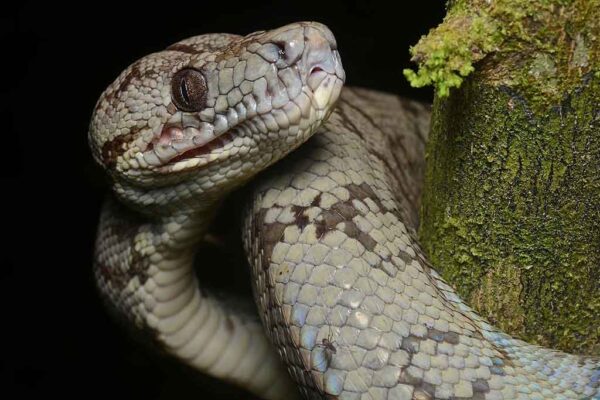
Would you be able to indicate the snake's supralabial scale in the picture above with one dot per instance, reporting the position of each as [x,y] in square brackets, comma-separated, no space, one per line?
[350,305]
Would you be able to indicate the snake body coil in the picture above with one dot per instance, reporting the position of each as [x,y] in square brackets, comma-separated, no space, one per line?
[347,296]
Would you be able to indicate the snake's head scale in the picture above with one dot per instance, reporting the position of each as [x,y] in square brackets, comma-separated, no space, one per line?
[215,109]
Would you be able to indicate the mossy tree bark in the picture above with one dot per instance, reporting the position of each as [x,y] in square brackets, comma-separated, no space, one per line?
[511,205]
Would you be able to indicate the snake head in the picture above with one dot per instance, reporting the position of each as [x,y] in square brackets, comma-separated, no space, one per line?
[215,108]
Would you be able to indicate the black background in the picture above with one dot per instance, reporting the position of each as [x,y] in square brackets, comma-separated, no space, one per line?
[57,59]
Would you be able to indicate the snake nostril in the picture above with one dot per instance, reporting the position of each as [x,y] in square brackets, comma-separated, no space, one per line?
[315,69]
[281,48]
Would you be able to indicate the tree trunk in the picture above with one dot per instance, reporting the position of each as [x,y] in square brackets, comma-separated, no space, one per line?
[511,205]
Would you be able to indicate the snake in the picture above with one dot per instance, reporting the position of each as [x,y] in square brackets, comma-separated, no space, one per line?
[346,304]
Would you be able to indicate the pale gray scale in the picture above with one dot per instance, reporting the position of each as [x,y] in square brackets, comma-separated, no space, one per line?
[270,52]
[226,80]
[256,67]
[410,331]
[239,73]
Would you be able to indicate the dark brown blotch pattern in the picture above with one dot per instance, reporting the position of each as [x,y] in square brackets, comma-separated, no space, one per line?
[113,149]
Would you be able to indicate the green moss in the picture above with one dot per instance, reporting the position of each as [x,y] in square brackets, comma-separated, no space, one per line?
[518,42]
[510,208]
[447,54]
[498,298]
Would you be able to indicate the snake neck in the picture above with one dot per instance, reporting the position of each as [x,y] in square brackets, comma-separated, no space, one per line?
[146,267]
[132,247]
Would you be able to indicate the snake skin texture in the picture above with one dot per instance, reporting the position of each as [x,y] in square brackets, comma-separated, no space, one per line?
[352,302]
[176,132]
[345,293]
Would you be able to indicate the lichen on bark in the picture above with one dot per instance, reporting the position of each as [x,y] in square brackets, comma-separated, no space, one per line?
[511,205]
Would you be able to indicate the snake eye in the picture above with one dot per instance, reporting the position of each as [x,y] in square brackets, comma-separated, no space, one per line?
[188,90]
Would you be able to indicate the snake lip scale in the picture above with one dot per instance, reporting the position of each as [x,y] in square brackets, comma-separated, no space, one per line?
[348,305]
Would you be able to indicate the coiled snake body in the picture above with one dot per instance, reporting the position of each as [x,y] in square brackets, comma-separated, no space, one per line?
[346,294]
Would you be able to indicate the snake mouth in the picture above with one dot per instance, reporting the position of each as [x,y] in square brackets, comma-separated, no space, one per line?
[188,147]
[216,143]
[276,104]
[177,147]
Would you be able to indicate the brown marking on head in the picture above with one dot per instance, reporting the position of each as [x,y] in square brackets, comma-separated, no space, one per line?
[134,73]
[183,48]
[234,48]
[112,149]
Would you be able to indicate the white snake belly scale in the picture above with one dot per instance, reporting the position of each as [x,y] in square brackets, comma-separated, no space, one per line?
[349,301]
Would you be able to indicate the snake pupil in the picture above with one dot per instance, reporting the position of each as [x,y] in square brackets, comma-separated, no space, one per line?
[184,91]
[188,90]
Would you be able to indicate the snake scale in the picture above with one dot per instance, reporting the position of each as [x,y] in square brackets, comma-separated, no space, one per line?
[347,297]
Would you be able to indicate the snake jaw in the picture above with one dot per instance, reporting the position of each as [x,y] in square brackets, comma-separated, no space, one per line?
[256,99]
[297,76]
